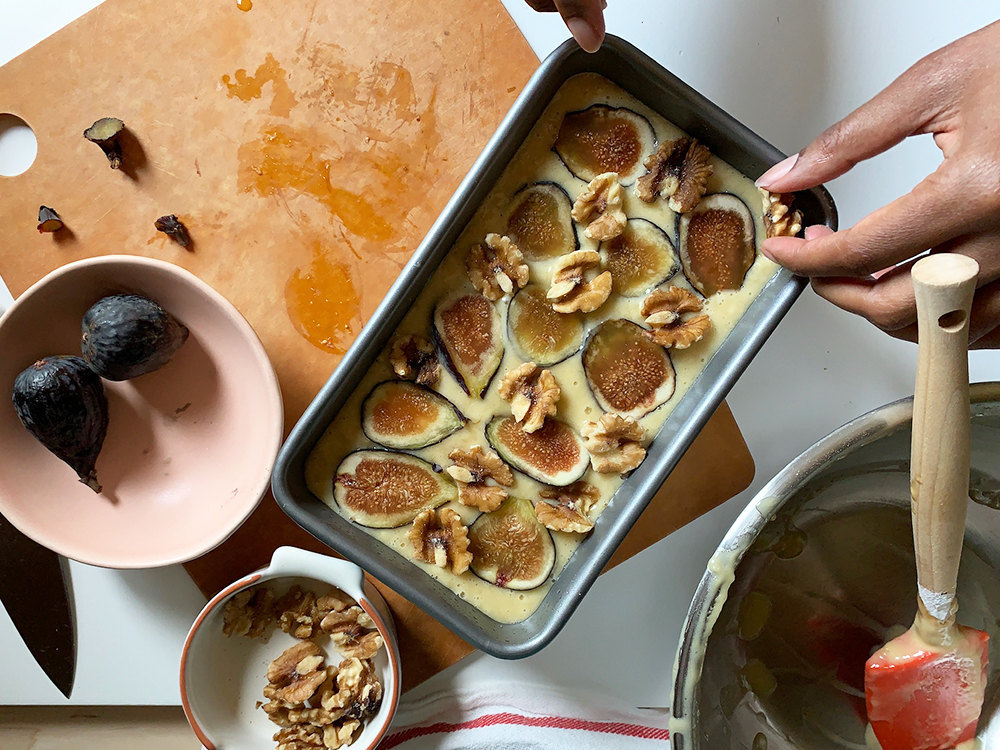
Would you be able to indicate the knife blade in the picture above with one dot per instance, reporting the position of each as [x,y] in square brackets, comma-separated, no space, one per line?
[33,591]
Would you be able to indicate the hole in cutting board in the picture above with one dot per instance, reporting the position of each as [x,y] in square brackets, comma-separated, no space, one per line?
[952,321]
[18,145]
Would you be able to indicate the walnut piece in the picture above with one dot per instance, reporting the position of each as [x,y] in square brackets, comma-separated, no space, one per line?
[355,689]
[353,632]
[296,674]
[472,470]
[600,208]
[318,717]
[440,538]
[300,737]
[668,313]
[532,393]
[249,613]
[614,443]
[779,218]
[678,170]
[294,612]
[413,358]
[342,735]
[570,509]
[570,292]
[496,266]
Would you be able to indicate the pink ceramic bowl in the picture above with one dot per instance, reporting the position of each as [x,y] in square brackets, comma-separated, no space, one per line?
[189,448]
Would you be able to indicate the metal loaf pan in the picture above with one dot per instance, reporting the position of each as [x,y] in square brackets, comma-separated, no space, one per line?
[653,85]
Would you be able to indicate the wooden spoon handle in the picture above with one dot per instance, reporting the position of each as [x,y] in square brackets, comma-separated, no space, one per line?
[944,284]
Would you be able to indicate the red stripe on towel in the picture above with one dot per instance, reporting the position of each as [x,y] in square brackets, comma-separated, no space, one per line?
[548,722]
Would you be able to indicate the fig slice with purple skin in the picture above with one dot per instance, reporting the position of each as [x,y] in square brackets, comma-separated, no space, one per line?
[603,139]
[510,548]
[640,258]
[540,221]
[553,454]
[538,333]
[627,373]
[717,243]
[406,416]
[468,329]
[384,489]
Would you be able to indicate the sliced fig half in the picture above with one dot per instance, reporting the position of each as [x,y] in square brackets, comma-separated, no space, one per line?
[717,243]
[384,489]
[553,454]
[640,258]
[603,139]
[469,332]
[539,333]
[404,415]
[540,221]
[510,548]
[627,373]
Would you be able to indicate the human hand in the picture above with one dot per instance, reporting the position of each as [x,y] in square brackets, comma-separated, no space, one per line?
[954,94]
[584,19]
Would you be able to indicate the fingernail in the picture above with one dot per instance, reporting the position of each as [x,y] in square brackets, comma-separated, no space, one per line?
[776,172]
[584,33]
[817,230]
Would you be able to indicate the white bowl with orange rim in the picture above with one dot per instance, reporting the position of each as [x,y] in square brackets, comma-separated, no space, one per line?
[222,677]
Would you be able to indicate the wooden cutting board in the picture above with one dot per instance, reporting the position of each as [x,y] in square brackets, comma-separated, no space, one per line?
[308,146]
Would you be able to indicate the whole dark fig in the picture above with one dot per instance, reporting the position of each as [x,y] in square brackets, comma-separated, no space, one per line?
[127,335]
[60,400]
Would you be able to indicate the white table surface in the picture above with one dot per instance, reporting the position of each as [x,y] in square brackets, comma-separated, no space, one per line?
[786,68]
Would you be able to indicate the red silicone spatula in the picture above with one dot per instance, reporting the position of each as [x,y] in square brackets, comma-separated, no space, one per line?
[924,689]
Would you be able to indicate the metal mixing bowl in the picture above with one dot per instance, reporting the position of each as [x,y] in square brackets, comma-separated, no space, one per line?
[815,573]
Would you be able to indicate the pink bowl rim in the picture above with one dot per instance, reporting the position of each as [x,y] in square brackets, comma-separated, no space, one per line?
[271,397]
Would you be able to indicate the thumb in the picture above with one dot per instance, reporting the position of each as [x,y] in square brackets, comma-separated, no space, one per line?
[585,21]
[906,107]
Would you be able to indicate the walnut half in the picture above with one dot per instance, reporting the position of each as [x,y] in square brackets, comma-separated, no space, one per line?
[532,393]
[668,313]
[249,612]
[440,538]
[472,471]
[413,358]
[614,443]
[354,690]
[353,632]
[570,509]
[600,207]
[678,170]
[296,675]
[496,267]
[300,737]
[570,291]
[779,218]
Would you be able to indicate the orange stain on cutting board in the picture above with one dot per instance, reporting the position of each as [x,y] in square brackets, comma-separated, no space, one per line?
[323,304]
[286,159]
[369,167]
[246,87]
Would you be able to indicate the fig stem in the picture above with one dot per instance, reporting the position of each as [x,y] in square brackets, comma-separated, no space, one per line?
[48,220]
[91,481]
[104,133]
[171,226]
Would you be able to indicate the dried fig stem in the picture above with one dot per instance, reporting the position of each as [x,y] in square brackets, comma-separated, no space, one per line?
[105,134]
[48,220]
[170,225]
